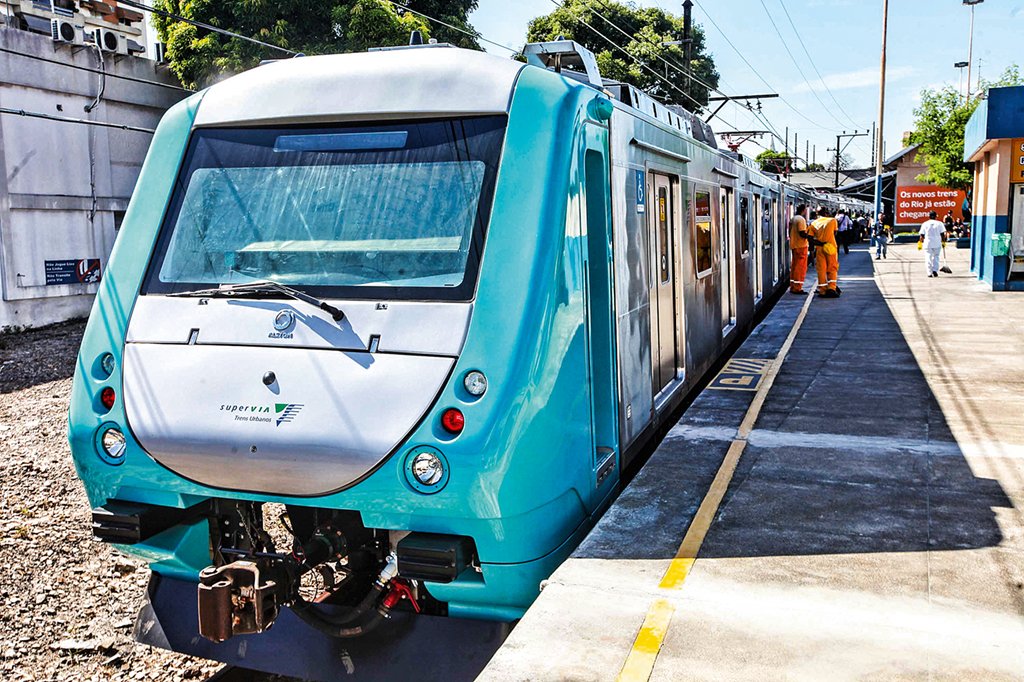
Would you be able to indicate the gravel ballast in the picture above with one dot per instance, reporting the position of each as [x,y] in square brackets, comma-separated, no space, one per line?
[69,602]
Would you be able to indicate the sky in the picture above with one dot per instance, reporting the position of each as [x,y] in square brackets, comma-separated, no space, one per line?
[843,39]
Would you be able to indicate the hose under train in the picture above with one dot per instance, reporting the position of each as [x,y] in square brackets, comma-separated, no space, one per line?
[347,623]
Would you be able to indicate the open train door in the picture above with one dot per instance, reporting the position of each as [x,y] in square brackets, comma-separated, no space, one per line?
[727,216]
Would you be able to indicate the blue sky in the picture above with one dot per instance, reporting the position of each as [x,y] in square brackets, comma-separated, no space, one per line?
[843,38]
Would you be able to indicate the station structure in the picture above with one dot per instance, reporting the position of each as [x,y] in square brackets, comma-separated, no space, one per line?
[81,90]
[994,142]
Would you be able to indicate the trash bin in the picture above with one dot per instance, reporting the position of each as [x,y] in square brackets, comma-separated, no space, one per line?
[1001,244]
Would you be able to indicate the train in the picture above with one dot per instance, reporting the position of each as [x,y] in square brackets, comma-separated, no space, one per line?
[380,333]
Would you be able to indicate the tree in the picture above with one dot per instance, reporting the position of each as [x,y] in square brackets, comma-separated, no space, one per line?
[646,61]
[939,129]
[845,161]
[772,161]
[199,57]
[815,167]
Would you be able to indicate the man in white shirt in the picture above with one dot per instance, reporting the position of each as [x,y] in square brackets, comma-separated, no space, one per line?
[932,237]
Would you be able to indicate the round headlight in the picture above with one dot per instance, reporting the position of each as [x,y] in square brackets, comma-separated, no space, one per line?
[107,364]
[475,383]
[427,468]
[113,443]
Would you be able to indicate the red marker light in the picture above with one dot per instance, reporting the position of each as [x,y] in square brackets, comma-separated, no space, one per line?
[107,397]
[453,421]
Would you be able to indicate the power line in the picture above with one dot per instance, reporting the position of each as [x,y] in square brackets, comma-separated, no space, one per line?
[677,68]
[756,73]
[80,121]
[208,27]
[795,62]
[92,70]
[471,34]
[814,66]
[635,59]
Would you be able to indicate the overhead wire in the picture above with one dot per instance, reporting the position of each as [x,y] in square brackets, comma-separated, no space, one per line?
[757,73]
[636,60]
[471,34]
[80,121]
[203,25]
[90,69]
[814,66]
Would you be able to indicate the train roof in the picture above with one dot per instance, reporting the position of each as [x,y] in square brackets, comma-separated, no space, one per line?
[430,81]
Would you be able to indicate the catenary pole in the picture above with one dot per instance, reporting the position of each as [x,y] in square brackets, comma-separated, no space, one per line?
[880,139]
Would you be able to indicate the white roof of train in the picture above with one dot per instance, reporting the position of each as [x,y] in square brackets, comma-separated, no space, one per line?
[425,80]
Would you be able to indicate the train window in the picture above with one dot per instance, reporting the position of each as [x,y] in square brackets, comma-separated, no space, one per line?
[663,239]
[360,210]
[744,226]
[702,253]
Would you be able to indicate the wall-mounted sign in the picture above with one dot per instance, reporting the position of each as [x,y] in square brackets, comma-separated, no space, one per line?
[641,192]
[81,271]
[1017,161]
[913,204]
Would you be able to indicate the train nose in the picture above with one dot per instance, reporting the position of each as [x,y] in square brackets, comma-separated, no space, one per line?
[275,420]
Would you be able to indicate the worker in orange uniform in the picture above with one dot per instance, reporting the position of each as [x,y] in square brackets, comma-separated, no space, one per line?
[827,254]
[798,244]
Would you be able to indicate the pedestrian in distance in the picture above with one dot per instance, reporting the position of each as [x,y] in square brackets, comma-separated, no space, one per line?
[931,239]
[826,259]
[844,230]
[880,236]
[949,222]
[798,244]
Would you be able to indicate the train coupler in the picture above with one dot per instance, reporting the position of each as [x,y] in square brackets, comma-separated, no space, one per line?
[241,598]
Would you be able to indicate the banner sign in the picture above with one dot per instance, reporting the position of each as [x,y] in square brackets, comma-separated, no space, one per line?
[1017,161]
[913,204]
[82,271]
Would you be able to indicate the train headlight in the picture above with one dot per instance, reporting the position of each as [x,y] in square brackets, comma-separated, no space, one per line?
[475,383]
[111,444]
[107,364]
[426,469]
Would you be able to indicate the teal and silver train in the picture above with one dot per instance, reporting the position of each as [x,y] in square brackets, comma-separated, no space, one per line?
[380,331]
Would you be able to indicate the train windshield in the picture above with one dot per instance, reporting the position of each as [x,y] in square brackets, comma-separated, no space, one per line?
[350,211]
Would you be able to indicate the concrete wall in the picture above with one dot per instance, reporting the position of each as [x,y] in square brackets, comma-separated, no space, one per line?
[65,186]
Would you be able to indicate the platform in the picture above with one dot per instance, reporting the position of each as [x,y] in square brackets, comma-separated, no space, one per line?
[855,516]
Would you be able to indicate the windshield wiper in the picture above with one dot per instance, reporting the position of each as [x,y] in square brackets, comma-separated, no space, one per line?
[265,286]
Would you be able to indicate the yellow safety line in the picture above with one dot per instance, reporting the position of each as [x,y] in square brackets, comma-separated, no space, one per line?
[639,663]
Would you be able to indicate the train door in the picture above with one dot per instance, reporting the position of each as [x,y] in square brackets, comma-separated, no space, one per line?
[663,304]
[776,251]
[727,269]
[600,309]
[758,248]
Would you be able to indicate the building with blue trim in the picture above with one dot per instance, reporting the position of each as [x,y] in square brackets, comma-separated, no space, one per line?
[994,141]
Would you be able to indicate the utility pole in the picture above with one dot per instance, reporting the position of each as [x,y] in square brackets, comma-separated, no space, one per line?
[970,44]
[880,138]
[839,150]
[688,40]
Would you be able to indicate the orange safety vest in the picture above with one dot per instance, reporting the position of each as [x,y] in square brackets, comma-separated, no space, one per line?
[797,224]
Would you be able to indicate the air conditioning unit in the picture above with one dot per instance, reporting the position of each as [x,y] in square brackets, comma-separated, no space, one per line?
[110,41]
[63,31]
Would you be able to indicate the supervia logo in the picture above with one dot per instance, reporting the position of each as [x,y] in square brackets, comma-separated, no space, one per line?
[286,412]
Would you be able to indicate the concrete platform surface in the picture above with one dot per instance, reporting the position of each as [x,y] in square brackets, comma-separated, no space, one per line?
[858,518]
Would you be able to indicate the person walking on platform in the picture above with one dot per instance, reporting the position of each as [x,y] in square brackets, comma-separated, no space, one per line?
[880,234]
[826,257]
[798,244]
[844,230]
[932,237]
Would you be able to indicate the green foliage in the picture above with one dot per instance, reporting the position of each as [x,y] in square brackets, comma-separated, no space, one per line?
[581,20]
[200,57]
[939,126]
[815,167]
[772,161]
